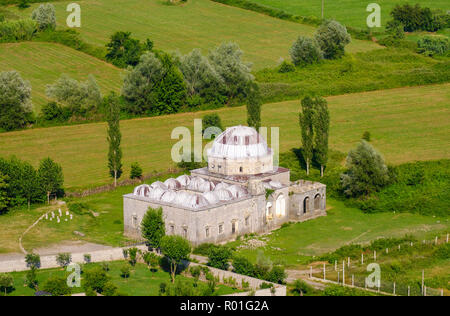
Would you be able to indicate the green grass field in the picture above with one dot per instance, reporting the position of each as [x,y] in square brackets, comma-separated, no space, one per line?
[350,12]
[43,63]
[295,244]
[195,24]
[406,124]
[141,282]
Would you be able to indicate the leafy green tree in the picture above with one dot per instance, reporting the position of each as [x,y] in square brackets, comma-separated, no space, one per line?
[242,265]
[114,138]
[33,260]
[110,289]
[254,107]
[219,256]
[6,282]
[152,260]
[175,249]
[123,50]
[57,286]
[199,75]
[95,279]
[4,198]
[31,279]
[321,132]
[141,82]
[136,171]
[153,227]
[80,97]
[125,271]
[276,275]
[305,51]
[306,120]
[64,259]
[15,101]
[332,38]
[45,16]
[51,177]
[30,182]
[366,172]
[234,72]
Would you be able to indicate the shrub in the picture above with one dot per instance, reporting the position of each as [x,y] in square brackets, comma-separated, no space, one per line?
[416,18]
[110,289]
[19,30]
[95,279]
[305,51]
[218,257]
[132,255]
[395,29]
[366,172]
[56,286]
[366,136]
[31,279]
[433,45]
[64,259]
[125,271]
[332,38]
[87,258]
[204,249]
[45,16]
[53,112]
[23,4]
[286,67]
[136,171]
[242,265]
[276,275]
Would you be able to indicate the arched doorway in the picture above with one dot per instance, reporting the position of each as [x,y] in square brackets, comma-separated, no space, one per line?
[280,206]
[269,211]
[305,205]
[317,199]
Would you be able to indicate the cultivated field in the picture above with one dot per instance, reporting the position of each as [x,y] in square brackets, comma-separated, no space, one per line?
[43,63]
[406,124]
[196,24]
[350,12]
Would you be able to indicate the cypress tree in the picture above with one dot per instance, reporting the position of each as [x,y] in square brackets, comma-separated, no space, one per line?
[321,132]
[254,107]
[306,118]
[114,137]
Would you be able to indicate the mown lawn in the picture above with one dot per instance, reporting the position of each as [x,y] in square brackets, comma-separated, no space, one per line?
[141,282]
[295,244]
[43,63]
[406,124]
[196,24]
[350,12]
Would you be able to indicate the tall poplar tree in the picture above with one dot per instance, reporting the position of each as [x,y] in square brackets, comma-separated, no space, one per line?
[306,120]
[51,177]
[114,137]
[321,132]
[254,107]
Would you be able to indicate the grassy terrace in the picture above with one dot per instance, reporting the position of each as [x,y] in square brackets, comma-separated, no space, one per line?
[141,282]
[195,24]
[43,63]
[406,124]
[350,12]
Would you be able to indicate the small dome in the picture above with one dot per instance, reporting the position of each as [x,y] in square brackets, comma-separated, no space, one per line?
[156,193]
[200,184]
[237,191]
[224,195]
[184,180]
[158,184]
[211,197]
[142,190]
[221,186]
[172,184]
[191,200]
[168,196]
[239,142]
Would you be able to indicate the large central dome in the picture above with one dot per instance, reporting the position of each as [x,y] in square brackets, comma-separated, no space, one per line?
[240,150]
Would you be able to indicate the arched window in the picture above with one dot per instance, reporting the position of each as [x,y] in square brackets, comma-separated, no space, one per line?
[317,202]
[305,205]
[280,208]
[269,211]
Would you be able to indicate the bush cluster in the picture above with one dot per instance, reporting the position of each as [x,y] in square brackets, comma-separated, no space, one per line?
[416,18]
[260,270]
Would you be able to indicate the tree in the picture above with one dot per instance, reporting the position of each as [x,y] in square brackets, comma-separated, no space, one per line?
[242,265]
[95,279]
[45,16]
[57,286]
[140,83]
[321,132]
[30,182]
[218,257]
[175,249]
[254,107]
[305,51]
[366,172]
[153,227]
[211,120]
[33,261]
[6,282]
[122,50]
[136,171]
[15,101]
[235,74]
[332,38]
[50,176]
[199,75]
[4,198]
[64,259]
[114,138]
[80,97]
[306,120]
[152,260]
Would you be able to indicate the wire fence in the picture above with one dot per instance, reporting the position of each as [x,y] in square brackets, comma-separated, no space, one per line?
[350,272]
